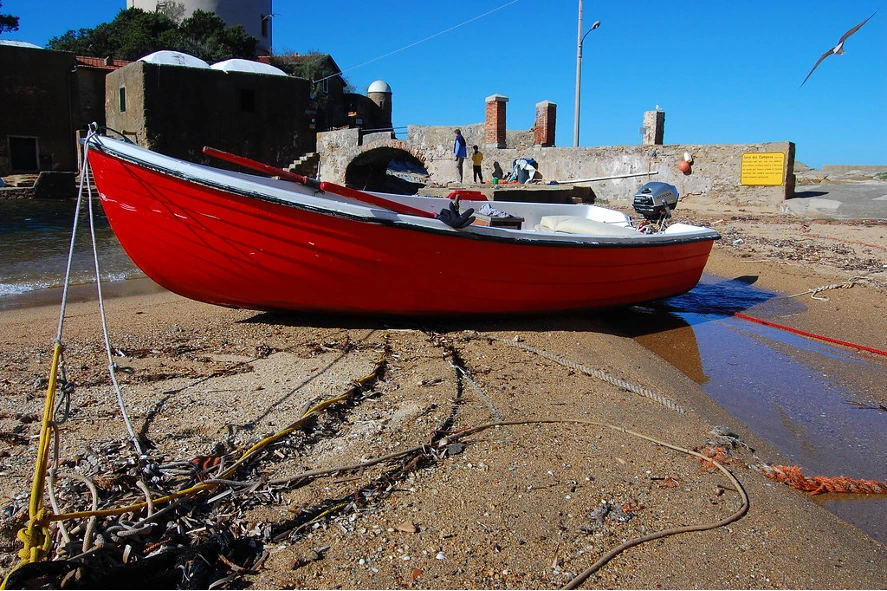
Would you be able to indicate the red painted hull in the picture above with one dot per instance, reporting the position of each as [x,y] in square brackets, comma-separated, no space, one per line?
[221,247]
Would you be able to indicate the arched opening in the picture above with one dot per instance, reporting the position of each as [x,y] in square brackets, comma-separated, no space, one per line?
[387,170]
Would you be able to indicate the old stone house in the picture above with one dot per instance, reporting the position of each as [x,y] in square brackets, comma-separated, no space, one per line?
[176,110]
[46,97]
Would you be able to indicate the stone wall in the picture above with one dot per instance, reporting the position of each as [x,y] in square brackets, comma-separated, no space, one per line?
[863,168]
[715,171]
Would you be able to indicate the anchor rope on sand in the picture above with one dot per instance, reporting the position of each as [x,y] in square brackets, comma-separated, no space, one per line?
[868,244]
[601,375]
[815,485]
[843,285]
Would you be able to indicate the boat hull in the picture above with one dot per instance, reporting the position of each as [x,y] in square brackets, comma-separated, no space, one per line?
[231,249]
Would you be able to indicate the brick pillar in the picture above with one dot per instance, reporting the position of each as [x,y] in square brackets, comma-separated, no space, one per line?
[494,127]
[654,128]
[546,114]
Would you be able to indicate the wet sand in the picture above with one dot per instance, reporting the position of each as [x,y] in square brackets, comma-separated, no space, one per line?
[516,508]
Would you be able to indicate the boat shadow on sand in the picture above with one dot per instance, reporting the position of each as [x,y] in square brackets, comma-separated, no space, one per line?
[663,326]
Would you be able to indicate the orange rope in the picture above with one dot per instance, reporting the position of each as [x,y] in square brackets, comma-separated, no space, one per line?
[845,240]
[815,485]
[809,334]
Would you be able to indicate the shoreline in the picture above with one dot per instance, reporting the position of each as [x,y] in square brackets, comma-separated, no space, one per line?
[79,293]
[531,489]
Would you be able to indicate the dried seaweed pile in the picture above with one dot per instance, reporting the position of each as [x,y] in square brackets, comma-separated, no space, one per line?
[188,524]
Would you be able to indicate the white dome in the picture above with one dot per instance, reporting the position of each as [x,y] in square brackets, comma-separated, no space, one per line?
[241,65]
[174,58]
[19,44]
[379,86]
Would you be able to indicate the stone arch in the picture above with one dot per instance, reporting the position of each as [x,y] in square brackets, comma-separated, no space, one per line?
[394,168]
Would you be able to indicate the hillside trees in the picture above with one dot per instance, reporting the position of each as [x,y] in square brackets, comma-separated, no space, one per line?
[8,23]
[135,33]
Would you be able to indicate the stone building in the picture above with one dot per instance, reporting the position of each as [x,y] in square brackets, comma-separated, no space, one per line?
[90,78]
[46,97]
[176,110]
[36,91]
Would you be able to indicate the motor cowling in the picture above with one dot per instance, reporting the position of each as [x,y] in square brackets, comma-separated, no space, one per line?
[655,200]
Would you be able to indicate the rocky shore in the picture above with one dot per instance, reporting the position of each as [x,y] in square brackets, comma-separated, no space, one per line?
[598,444]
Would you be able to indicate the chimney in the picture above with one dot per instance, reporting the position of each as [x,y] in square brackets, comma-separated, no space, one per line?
[546,114]
[654,128]
[494,127]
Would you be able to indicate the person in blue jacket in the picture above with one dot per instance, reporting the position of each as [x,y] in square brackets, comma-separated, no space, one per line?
[460,150]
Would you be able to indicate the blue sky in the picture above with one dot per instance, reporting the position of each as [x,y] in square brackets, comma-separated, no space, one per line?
[724,72]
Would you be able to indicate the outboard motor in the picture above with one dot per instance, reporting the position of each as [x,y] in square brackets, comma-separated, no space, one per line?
[655,200]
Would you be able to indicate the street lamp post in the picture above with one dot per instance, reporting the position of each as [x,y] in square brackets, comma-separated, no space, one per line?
[581,39]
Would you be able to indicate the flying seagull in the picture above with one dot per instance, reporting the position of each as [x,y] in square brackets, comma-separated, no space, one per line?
[839,48]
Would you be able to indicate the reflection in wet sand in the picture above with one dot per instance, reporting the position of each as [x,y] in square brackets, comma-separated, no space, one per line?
[666,334]
[801,395]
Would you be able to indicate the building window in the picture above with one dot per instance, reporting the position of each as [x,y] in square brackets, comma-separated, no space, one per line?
[122,100]
[247,100]
[265,20]
[23,154]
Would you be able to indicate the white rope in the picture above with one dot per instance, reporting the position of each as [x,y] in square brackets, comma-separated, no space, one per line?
[112,366]
[601,375]
[83,165]
[493,411]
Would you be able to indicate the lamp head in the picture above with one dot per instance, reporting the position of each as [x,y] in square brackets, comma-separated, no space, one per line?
[595,25]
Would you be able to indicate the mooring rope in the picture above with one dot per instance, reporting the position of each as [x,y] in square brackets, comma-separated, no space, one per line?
[843,285]
[809,334]
[35,536]
[868,244]
[493,411]
[112,366]
[794,477]
[601,375]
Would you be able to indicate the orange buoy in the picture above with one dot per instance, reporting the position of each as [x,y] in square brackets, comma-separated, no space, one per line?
[684,167]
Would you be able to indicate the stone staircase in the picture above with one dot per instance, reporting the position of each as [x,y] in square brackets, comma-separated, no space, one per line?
[306,165]
[20,180]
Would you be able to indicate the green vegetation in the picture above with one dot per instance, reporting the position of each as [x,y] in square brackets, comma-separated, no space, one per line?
[135,33]
[8,23]
[317,67]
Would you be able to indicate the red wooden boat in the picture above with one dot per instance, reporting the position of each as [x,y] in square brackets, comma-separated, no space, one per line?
[241,240]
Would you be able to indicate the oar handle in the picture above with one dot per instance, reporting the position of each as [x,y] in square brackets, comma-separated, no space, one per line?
[365,197]
[361,196]
[256,165]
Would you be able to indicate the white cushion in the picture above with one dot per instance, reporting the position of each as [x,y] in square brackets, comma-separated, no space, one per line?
[576,225]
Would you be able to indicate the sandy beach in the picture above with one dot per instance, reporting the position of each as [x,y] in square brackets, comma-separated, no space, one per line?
[591,451]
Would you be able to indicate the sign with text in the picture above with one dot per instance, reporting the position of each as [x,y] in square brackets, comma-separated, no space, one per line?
[762,168]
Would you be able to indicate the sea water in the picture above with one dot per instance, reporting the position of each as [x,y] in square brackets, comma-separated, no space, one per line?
[35,239]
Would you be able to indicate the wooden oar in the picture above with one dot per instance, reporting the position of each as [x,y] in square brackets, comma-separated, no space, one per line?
[355,194]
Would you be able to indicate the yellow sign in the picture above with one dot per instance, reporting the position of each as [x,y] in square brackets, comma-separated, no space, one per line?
[763,168]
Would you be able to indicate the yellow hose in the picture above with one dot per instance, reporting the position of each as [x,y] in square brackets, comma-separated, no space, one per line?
[35,536]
